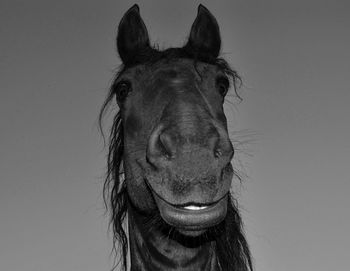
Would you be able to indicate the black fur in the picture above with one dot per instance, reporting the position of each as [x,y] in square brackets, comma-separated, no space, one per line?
[232,248]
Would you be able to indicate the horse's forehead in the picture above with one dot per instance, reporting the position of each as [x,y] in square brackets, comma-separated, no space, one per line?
[174,71]
[174,68]
[182,68]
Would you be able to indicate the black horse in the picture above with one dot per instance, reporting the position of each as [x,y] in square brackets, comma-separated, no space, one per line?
[169,161]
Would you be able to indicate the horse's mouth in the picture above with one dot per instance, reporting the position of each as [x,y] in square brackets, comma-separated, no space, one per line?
[192,216]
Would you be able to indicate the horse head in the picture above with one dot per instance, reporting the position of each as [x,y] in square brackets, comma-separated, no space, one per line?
[170,136]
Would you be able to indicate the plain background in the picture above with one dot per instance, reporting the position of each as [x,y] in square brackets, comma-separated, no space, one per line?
[57,59]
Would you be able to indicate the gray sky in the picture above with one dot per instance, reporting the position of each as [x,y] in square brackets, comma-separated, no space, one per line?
[56,62]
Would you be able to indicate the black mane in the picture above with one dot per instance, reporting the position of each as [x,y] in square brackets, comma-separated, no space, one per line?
[233,251]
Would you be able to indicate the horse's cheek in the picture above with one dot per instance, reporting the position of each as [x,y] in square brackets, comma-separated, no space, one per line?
[133,126]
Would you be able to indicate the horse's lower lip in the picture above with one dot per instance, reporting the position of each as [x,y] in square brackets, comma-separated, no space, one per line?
[192,220]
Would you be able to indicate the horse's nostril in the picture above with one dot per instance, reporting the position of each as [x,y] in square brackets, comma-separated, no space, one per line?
[223,149]
[167,145]
[217,153]
[160,147]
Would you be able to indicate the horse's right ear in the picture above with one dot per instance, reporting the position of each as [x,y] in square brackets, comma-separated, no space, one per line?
[205,34]
[132,35]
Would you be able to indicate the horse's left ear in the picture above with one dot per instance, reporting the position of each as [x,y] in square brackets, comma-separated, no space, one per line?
[132,35]
[205,34]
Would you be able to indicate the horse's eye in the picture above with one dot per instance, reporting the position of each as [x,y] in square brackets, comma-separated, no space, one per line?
[222,84]
[122,90]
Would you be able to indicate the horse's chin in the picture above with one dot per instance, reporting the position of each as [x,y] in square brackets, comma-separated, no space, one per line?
[192,233]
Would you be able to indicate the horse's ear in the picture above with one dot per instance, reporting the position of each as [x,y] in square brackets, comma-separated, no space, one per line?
[132,35]
[205,34]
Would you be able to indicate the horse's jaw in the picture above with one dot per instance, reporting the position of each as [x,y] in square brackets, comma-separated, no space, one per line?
[155,250]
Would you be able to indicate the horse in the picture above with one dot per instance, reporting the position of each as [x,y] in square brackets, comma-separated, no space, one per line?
[169,168]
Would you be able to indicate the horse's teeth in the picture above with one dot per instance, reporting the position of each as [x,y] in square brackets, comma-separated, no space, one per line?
[193,207]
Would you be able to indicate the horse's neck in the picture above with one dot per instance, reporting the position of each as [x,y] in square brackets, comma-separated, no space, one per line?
[154,251]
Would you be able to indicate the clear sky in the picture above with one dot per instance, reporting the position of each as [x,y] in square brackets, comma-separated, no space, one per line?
[57,59]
